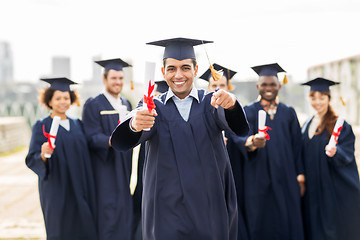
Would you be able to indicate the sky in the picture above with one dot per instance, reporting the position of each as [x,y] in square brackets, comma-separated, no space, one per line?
[295,34]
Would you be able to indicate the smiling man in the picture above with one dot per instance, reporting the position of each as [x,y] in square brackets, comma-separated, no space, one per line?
[189,190]
[112,169]
[272,169]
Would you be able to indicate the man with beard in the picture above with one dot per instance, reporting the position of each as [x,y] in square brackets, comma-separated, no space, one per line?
[112,169]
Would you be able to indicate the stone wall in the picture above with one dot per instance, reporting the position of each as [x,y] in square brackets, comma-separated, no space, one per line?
[14,132]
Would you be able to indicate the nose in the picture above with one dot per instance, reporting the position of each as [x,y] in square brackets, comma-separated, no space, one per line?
[178,73]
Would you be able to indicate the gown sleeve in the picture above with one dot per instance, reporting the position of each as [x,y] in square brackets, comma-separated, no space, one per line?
[234,120]
[33,159]
[92,127]
[124,138]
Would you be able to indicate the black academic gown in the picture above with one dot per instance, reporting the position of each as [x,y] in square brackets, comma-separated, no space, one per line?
[237,165]
[66,183]
[189,191]
[112,169]
[332,198]
[137,196]
[271,193]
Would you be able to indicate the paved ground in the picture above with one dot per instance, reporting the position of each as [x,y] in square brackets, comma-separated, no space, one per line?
[20,212]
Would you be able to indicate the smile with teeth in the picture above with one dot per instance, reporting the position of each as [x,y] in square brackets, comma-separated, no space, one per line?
[179,83]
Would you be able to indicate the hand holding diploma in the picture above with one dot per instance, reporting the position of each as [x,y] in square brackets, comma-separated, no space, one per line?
[51,137]
[330,149]
[143,120]
[262,129]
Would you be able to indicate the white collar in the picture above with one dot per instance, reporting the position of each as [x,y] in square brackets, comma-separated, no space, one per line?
[193,93]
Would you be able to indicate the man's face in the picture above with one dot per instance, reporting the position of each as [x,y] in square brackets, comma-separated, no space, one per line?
[221,83]
[179,75]
[114,82]
[268,87]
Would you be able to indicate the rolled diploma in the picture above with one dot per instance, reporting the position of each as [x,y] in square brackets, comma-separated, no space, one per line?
[122,113]
[338,124]
[261,121]
[53,131]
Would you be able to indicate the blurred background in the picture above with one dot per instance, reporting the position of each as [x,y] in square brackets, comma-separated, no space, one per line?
[63,38]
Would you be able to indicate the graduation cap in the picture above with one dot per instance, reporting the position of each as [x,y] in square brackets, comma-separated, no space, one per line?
[61,84]
[179,48]
[226,72]
[161,86]
[320,84]
[269,70]
[115,64]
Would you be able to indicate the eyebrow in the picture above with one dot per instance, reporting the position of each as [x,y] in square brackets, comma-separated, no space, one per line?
[185,65]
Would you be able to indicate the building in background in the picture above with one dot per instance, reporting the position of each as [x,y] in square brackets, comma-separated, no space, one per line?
[6,63]
[347,72]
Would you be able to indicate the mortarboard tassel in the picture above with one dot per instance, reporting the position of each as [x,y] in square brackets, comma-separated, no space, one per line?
[131,84]
[230,86]
[342,101]
[285,80]
[216,75]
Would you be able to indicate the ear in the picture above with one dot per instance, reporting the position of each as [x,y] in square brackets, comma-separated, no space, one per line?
[196,70]
[163,72]
[104,79]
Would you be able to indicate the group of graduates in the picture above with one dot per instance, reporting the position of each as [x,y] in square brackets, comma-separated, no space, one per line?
[205,169]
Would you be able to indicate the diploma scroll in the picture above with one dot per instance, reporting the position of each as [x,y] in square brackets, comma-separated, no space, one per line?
[336,132]
[122,113]
[150,85]
[53,132]
[261,122]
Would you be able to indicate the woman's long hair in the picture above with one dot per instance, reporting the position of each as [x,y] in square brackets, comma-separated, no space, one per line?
[328,120]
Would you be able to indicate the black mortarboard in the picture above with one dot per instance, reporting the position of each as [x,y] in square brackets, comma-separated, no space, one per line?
[115,64]
[179,48]
[61,84]
[320,84]
[226,72]
[161,86]
[268,69]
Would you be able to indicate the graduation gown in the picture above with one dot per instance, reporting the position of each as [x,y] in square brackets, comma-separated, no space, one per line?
[112,169]
[332,197]
[237,165]
[66,184]
[189,191]
[271,193]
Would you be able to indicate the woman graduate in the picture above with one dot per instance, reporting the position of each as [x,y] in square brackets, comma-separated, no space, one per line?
[66,185]
[332,197]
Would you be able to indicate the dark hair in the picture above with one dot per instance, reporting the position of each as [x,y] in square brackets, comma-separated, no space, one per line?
[328,120]
[106,73]
[45,96]
[192,59]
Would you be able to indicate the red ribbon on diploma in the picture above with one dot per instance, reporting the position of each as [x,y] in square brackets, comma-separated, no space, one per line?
[336,134]
[48,136]
[149,98]
[265,132]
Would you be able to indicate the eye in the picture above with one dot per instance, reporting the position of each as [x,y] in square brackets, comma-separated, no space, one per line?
[170,69]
